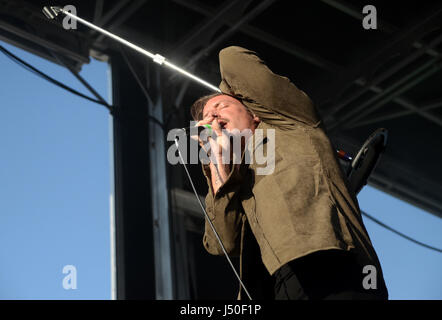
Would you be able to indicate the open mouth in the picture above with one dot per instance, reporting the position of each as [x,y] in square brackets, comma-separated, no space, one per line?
[222,123]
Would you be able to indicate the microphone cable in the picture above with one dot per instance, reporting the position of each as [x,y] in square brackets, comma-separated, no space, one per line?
[208,218]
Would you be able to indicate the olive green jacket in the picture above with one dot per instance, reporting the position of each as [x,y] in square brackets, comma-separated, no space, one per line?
[305,204]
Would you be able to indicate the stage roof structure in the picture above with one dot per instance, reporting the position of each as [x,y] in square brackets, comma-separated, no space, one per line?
[359,79]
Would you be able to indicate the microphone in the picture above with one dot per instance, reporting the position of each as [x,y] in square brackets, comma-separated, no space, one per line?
[51,12]
[189,130]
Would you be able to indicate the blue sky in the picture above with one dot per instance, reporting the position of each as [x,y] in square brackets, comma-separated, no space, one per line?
[55,185]
[410,271]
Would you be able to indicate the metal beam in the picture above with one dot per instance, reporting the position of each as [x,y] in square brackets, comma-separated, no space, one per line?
[73,46]
[267,38]
[379,56]
[307,56]
[394,94]
[164,289]
[77,75]
[245,19]
[123,16]
[412,109]
[204,32]
[383,25]
[393,91]
[379,78]
[158,190]
[98,11]
[134,230]
[110,14]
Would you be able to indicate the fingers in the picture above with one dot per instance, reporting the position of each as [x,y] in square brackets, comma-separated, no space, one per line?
[207,120]
[217,143]
[213,122]
[216,127]
[220,146]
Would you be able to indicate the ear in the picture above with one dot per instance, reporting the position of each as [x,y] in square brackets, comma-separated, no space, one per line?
[256,119]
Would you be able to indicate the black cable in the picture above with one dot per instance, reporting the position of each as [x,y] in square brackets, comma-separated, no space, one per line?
[112,108]
[209,220]
[399,233]
[77,75]
[34,70]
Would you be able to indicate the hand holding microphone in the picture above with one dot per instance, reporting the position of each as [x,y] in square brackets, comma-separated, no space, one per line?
[220,151]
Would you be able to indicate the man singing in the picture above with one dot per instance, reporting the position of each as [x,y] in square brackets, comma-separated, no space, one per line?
[298,227]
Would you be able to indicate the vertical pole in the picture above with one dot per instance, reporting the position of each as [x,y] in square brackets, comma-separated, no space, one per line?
[134,239]
[158,190]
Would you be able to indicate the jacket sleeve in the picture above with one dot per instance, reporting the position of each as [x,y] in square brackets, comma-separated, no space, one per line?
[225,212]
[274,98]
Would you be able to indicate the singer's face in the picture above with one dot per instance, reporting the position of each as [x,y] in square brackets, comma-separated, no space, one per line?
[230,113]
